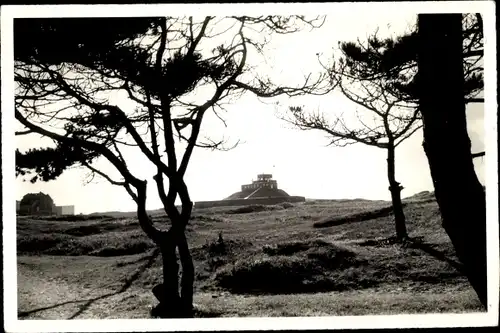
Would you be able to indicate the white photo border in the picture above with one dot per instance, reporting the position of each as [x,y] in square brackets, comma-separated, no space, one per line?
[12,324]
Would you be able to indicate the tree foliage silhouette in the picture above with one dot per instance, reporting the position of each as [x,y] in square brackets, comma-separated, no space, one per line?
[438,67]
[394,61]
[66,69]
[379,75]
[384,121]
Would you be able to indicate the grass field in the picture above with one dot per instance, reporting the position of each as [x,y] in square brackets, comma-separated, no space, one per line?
[316,258]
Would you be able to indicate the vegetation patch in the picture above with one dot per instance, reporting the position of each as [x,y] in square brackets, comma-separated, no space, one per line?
[258,256]
[206,218]
[39,243]
[424,196]
[296,267]
[218,252]
[98,228]
[254,209]
[284,249]
[101,244]
[99,248]
[287,205]
[125,250]
[75,218]
[289,248]
[391,241]
[333,257]
[267,275]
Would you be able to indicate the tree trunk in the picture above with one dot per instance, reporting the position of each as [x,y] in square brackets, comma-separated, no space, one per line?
[168,292]
[173,305]
[395,188]
[458,192]
[187,280]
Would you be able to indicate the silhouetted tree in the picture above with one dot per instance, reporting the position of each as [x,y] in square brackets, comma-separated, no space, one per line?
[387,118]
[379,75]
[65,71]
[394,60]
[459,193]
[439,67]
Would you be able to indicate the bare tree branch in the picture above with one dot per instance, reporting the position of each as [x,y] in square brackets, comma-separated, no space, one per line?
[474,100]
[479,154]
[102,174]
[23,132]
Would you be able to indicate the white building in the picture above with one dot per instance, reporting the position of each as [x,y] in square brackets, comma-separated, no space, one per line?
[65,210]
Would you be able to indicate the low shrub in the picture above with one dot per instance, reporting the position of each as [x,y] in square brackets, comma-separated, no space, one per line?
[84,230]
[216,253]
[75,218]
[214,263]
[125,250]
[215,248]
[334,257]
[72,247]
[206,218]
[285,249]
[291,267]
[267,275]
[247,209]
[107,244]
[220,247]
[39,243]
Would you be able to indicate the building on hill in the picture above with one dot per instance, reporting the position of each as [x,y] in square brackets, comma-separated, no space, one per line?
[36,204]
[263,180]
[264,187]
[263,191]
[41,204]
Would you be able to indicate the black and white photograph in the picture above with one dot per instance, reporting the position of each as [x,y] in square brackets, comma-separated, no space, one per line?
[249,166]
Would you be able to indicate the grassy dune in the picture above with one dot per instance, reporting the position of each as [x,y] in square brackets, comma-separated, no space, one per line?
[314,258]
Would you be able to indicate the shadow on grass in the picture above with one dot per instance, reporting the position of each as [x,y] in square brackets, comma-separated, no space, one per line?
[88,302]
[430,250]
[358,217]
[416,243]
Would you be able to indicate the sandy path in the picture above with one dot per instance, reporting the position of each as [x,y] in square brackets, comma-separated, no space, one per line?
[42,295]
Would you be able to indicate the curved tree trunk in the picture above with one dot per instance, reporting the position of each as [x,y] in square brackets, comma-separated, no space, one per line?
[173,305]
[459,193]
[395,188]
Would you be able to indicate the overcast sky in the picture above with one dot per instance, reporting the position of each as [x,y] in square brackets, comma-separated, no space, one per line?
[299,161]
